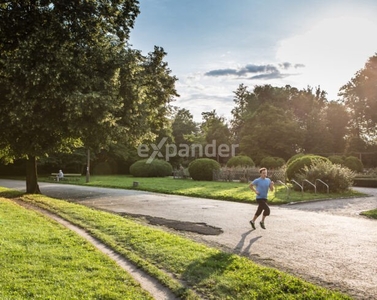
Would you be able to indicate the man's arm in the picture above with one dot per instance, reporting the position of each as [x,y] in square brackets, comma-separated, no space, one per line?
[252,187]
[272,186]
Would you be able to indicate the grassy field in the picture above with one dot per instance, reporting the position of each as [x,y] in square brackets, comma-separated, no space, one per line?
[230,191]
[52,261]
[40,259]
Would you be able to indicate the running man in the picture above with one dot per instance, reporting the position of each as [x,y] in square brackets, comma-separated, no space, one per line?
[260,186]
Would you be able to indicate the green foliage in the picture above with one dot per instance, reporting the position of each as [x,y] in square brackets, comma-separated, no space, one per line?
[183,126]
[271,130]
[336,159]
[270,162]
[202,169]
[67,78]
[296,166]
[294,157]
[156,168]
[338,178]
[354,164]
[360,97]
[365,182]
[102,168]
[240,161]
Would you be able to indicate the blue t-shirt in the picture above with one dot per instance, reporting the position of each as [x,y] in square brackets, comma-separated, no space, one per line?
[262,185]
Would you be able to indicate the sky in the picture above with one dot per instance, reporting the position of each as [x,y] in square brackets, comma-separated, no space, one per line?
[213,46]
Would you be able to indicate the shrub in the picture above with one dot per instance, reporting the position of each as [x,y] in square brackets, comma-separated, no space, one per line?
[157,168]
[270,162]
[296,166]
[337,177]
[354,164]
[294,157]
[240,161]
[365,182]
[336,159]
[203,168]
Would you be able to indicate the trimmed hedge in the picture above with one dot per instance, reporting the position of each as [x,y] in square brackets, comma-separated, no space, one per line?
[336,159]
[202,169]
[354,164]
[270,162]
[294,157]
[240,161]
[296,166]
[365,182]
[157,168]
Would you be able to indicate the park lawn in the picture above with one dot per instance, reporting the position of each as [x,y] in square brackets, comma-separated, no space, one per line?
[40,259]
[229,191]
[207,272]
[370,213]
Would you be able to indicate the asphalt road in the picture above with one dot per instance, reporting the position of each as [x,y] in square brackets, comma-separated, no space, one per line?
[325,242]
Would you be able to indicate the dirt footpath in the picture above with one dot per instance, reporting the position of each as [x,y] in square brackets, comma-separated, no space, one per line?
[325,242]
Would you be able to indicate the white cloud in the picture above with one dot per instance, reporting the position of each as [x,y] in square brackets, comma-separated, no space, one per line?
[199,94]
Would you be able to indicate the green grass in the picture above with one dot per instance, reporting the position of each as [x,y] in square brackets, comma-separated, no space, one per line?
[40,259]
[207,272]
[370,213]
[230,191]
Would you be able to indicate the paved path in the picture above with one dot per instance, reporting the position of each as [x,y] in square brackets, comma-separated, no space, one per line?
[326,242]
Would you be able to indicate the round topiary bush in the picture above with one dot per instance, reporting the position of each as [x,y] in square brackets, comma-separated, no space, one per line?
[156,168]
[336,159]
[296,166]
[240,161]
[270,162]
[294,157]
[202,169]
[354,164]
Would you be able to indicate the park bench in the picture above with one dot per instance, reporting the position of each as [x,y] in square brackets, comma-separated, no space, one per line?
[67,176]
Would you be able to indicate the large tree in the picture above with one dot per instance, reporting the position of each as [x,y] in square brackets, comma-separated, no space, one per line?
[67,78]
[215,131]
[183,126]
[360,97]
[337,119]
[271,132]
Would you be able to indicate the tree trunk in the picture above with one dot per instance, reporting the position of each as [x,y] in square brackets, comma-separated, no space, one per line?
[32,186]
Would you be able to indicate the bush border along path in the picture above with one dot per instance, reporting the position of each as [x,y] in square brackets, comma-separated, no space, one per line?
[206,271]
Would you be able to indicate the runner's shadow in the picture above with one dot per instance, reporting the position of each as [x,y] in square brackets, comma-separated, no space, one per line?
[241,243]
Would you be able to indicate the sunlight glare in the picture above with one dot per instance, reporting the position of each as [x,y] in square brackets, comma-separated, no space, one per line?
[333,50]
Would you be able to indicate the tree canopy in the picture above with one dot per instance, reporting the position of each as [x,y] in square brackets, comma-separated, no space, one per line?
[68,78]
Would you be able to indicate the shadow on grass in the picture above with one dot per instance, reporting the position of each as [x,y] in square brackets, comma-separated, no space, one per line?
[203,272]
[8,193]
